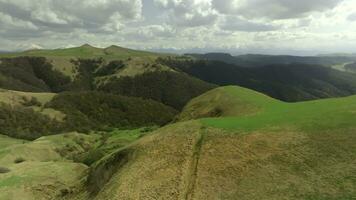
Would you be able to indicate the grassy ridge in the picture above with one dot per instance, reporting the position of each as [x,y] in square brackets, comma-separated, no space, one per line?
[318,115]
[85,51]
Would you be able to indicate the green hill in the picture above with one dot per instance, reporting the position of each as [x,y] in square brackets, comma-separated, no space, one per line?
[85,51]
[61,58]
[295,150]
[246,110]
[227,143]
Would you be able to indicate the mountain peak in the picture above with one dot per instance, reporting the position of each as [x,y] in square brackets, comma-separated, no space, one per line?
[86,46]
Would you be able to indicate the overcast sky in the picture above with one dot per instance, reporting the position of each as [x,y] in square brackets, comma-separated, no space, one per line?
[235,26]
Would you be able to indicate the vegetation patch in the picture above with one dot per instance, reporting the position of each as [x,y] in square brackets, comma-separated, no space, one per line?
[170,88]
[291,82]
[19,160]
[4,170]
[25,123]
[87,111]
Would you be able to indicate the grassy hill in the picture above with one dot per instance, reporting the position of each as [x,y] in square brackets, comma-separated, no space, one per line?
[278,151]
[228,143]
[327,115]
[32,115]
[52,166]
[61,58]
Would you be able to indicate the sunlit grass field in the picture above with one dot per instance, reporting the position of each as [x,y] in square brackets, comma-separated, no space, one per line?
[329,114]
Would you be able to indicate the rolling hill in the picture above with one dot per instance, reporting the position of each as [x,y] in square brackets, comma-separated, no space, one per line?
[256,60]
[114,123]
[290,82]
[279,151]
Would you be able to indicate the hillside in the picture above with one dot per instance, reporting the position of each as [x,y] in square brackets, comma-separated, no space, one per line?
[133,76]
[291,82]
[255,60]
[298,150]
[116,123]
[32,115]
[61,58]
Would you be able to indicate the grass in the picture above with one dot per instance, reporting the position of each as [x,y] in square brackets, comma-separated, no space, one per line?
[17,97]
[6,141]
[61,58]
[113,141]
[86,51]
[329,114]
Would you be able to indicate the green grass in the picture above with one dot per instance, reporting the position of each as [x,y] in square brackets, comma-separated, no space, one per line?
[113,141]
[86,51]
[6,141]
[309,116]
[122,138]
[61,58]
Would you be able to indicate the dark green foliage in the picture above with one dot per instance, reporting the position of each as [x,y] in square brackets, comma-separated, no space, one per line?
[292,82]
[84,81]
[19,160]
[170,88]
[55,80]
[256,60]
[32,74]
[30,101]
[99,111]
[4,170]
[24,123]
[110,68]
[101,173]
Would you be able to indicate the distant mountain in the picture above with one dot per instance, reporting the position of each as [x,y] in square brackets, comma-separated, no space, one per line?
[255,60]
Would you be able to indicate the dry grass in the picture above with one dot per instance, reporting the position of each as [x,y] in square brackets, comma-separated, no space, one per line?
[188,161]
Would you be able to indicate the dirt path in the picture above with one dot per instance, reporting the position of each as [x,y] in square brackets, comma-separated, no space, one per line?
[193,169]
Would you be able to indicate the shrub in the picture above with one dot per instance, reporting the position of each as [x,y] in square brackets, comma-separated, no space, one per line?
[30,101]
[170,88]
[4,170]
[97,111]
[25,123]
[19,160]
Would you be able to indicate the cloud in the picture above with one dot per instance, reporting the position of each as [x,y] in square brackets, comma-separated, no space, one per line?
[352,17]
[180,24]
[67,15]
[188,13]
[233,23]
[151,32]
[273,9]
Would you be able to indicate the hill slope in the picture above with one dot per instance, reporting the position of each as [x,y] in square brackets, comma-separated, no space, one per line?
[298,151]
[293,82]
[256,60]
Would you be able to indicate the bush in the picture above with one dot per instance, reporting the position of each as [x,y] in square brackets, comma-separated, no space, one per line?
[28,102]
[100,111]
[170,88]
[31,74]
[4,170]
[19,160]
[25,123]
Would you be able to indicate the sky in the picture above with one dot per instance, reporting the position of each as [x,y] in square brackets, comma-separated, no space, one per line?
[303,27]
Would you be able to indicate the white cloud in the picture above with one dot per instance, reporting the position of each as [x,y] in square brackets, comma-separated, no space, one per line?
[181,24]
[273,9]
[67,15]
[188,13]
